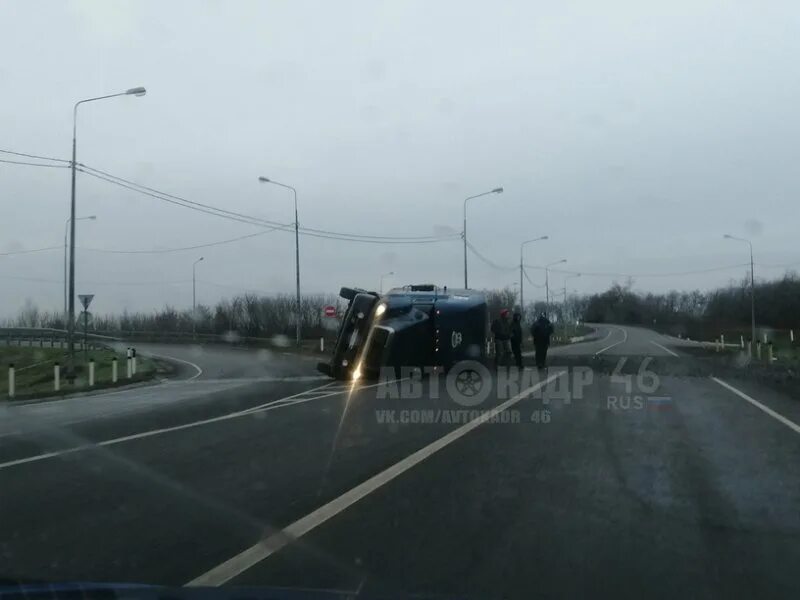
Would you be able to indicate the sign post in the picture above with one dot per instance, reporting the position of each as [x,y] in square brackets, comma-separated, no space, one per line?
[86,300]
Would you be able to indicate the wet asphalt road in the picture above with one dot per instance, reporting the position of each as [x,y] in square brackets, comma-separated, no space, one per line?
[628,473]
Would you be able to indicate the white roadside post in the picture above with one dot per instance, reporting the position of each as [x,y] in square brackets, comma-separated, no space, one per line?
[765,338]
[791,335]
[128,363]
[722,340]
[741,341]
[758,350]
[114,370]
[322,344]
[91,372]
[56,377]
[11,381]
[133,360]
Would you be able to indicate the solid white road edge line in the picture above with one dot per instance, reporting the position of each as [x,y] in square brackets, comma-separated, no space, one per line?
[282,403]
[622,341]
[180,360]
[790,424]
[251,556]
[665,349]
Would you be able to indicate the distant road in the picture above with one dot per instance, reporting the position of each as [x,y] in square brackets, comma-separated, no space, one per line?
[216,361]
[690,491]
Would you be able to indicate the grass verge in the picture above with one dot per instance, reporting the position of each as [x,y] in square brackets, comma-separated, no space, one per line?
[35,373]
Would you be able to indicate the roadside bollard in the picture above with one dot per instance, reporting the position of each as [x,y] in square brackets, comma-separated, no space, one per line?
[114,370]
[129,373]
[133,360]
[722,340]
[758,350]
[741,341]
[791,336]
[11,381]
[56,377]
[322,344]
[769,353]
[765,338]
[91,372]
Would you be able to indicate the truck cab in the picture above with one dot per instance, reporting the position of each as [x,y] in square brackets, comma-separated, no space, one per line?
[411,326]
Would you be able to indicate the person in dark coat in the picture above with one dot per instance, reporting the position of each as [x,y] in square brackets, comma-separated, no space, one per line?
[541,331]
[516,339]
[501,330]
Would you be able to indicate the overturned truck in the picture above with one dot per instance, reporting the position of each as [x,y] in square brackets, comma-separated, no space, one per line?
[412,326]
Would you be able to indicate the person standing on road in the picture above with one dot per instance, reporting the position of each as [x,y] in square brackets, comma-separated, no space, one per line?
[516,339]
[541,331]
[501,330]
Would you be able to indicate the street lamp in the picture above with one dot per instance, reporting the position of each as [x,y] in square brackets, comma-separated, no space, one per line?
[296,250]
[385,275]
[521,297]
[498,190]
[547,282]
[137,91]
[752,287]
[194,297]
[66,232]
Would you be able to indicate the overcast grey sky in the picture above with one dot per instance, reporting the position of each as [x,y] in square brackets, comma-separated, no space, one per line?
[633,135]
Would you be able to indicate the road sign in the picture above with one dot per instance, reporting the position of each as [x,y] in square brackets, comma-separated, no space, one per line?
[330,311]
[86,300]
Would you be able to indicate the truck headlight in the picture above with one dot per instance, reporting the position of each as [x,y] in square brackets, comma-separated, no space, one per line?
[381,308]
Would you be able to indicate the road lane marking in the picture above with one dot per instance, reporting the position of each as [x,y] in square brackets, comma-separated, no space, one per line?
[622,341]
[180,360]
[665,349]
[281,403]
[243,561]
[790,424]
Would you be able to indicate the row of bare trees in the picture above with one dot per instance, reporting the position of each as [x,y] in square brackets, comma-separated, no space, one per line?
[696,314]
[701,315]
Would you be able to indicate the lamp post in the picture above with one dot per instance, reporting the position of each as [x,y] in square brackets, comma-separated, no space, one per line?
[296,252]
[521,271]
[137,91]
[498,190]
[385,275]
[752,287]
[194,297]
[547,282]
[66,232]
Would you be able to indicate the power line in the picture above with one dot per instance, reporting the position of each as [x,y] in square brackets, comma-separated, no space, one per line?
[154,193]
[35,156]
[489,262]
[612,274]
[321,233]
[538,285]
[31,164]
[14,252]
[169,250]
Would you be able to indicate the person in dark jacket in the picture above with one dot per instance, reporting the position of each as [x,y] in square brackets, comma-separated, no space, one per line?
[541,331]
[516,339]
[501,330]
